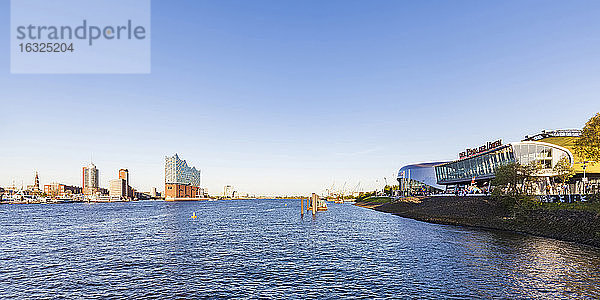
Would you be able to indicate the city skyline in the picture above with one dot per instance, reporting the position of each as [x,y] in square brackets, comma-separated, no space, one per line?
[287,99]
[339,149]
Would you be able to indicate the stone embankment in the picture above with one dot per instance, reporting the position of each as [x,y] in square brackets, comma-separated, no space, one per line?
[568,225]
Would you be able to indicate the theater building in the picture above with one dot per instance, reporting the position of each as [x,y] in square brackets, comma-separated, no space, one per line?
[587,174]
[476,167]
[419,179]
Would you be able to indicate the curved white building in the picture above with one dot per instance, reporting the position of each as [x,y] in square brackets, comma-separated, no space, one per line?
[477,166]
[419,178]
[483,165]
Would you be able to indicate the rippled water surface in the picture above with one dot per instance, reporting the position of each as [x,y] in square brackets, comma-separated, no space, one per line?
[264,249]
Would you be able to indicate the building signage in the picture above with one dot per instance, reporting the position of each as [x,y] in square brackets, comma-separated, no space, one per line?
[483,148]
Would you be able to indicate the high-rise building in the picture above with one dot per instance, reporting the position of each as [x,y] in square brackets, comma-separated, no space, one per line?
[124,174]
[181,181]
[91,179]
[118,188]
[121,187]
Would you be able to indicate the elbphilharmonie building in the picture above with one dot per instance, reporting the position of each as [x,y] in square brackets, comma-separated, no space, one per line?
[181,180]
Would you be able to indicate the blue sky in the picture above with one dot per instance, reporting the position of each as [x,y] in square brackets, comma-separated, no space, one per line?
[280,97]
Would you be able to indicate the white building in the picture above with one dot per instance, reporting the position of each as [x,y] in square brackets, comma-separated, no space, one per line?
[118,188]
[228,191]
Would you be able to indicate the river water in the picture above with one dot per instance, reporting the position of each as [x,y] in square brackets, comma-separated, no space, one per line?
[264,249]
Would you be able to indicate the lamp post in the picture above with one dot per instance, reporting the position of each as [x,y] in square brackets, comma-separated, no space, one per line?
[385,179]
[584,180]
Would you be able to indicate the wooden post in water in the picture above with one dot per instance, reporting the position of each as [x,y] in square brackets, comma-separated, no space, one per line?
[314,203]
[302,206]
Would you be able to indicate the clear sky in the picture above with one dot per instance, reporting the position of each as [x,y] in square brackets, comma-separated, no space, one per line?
[286,97]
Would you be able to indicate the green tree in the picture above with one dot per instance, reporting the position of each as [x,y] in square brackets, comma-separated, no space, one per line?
[515,179]
[564,170]
[364,196]
[389,189]
[588,144]
[512,183]
[507,177]
[529,173]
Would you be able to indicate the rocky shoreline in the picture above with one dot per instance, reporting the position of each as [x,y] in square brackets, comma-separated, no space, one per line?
[484,212]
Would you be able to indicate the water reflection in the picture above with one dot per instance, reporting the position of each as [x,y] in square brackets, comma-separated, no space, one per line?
[265,249]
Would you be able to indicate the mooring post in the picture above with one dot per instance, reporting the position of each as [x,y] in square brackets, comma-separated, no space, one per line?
[302,206]
[314,203]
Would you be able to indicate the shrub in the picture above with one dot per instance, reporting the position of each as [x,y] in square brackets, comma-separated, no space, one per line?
[593,198]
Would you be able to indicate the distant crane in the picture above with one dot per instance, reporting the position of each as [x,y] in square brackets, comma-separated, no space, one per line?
[356,188]
[331,192]
[341,200]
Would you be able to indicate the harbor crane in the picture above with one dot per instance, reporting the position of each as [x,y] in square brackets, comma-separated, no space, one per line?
[356,188]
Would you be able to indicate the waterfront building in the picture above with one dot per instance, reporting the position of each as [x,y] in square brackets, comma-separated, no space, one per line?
[124,174]
[102,191]
[181,180]
[153,192]
[35,187]
[91,179]
[61,190]
[141,195]
[587,174]
[477,166]
[228,191]
[419,178]
[118,188]
[203,192]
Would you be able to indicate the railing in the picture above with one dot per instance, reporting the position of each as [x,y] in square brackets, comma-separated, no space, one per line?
[569,198]
[555,133]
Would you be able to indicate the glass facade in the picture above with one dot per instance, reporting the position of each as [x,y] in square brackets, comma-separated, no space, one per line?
[90,177]
[484,165]
[423,172]
[419,178]
[481,166]
[547,155]
[415,187]
[178,172]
